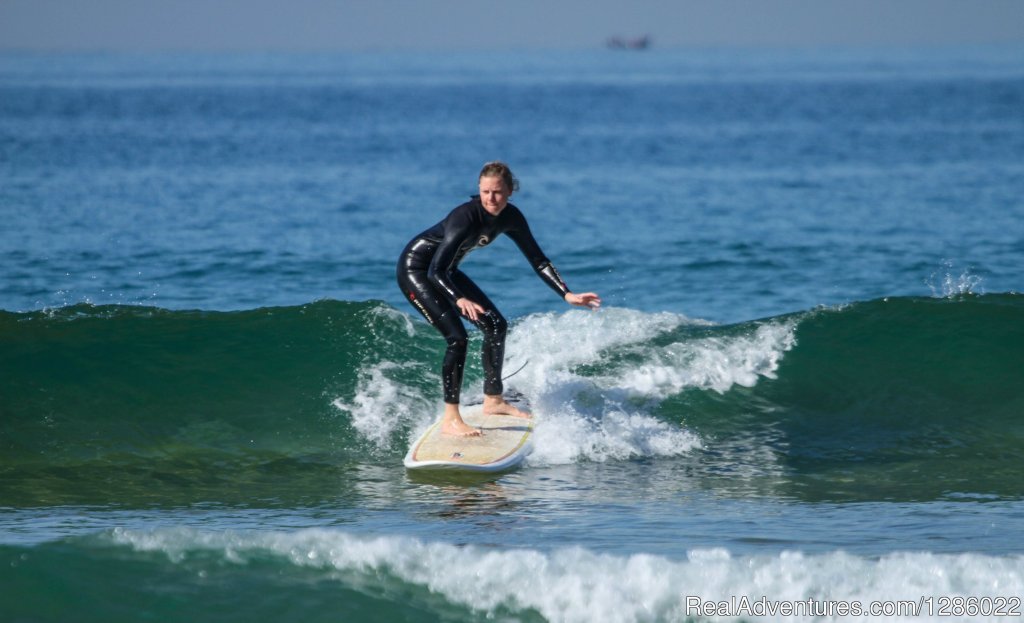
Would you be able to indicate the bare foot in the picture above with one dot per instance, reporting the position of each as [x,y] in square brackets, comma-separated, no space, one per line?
[496,405]
[460,429]
[453,424]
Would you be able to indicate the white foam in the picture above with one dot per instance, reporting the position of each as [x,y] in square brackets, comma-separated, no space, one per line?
[382,405]
[391,316]
[597,414]
[950,286]
[575,584]
[554,343]
[576,418]
[601,416]
[711,363]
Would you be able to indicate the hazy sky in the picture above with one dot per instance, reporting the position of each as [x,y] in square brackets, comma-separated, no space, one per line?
[478,24]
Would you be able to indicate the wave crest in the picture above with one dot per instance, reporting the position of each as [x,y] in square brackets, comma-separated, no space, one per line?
[576,584]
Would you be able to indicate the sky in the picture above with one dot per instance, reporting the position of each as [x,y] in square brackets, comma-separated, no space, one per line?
[344,25]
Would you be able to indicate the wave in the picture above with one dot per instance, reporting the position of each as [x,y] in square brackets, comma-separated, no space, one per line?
[87,380]
[198,575]
[900,397]
[145,405]
[890,385]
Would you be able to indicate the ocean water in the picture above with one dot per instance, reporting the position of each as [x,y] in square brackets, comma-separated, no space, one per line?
[804,390]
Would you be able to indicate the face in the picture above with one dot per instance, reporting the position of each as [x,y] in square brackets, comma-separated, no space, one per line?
[494,194]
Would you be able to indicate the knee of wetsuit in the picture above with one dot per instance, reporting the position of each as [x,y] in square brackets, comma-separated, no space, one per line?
[458,343]
[497,325]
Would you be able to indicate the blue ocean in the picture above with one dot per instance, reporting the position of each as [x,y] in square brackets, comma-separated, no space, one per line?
[803,398]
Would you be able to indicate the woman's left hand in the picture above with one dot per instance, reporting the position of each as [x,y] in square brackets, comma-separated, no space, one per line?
[470,309]
[586,299]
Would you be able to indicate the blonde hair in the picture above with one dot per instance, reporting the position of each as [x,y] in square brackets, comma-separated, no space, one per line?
[497,168]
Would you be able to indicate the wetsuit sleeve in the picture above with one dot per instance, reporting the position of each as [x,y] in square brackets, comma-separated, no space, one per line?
[520,233]
[456,229]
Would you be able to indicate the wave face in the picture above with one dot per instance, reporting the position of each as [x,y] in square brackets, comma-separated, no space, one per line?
[149,403]
[902,397]
[908,397]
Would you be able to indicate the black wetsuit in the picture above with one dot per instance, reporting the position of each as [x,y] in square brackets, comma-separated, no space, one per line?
[429,276]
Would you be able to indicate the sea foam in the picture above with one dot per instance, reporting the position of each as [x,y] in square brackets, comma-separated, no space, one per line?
[575,584]
[607,412]
[585,407]
[382,404]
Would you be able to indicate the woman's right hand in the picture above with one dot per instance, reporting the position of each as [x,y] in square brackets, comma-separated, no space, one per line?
[469,309]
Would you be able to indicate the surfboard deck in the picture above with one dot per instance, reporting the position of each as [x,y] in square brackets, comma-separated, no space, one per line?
[504,444]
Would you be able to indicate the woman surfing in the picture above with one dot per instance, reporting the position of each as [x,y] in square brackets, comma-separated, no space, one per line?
[430,278]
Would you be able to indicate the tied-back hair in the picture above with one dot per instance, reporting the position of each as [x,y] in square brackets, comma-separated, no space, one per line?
[498,168]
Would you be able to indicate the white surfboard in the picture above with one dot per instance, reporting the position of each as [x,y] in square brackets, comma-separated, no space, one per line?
[504,444]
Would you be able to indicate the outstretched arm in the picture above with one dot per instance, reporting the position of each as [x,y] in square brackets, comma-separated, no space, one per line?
[545,270]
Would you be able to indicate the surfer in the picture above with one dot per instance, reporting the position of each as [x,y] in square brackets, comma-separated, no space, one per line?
[429,276]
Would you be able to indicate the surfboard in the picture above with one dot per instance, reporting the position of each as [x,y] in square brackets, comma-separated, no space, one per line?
[504,444]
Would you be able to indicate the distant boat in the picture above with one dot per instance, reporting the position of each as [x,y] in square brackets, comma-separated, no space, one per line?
[639,43]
